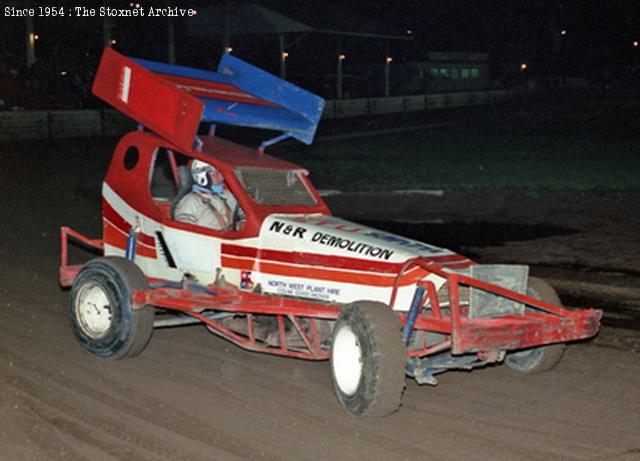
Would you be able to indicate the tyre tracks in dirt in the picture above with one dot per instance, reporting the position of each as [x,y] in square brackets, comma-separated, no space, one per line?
[192,396]
[123,423]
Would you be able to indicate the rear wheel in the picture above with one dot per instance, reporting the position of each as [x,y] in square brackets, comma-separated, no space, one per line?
[538,359]
[368,358]
[101,312]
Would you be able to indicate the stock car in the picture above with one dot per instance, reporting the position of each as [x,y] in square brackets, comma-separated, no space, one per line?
[290,279]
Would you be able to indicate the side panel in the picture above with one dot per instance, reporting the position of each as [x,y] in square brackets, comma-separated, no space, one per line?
[331,260]
[118,218]
[161,246]
[200,255]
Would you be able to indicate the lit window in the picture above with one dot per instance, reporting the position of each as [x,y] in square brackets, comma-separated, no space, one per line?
[444,72]
[465,73]
[475,72]
[434,72]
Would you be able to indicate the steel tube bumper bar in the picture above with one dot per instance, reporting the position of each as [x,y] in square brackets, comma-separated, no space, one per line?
[68,271]
[542,323]
[508,333]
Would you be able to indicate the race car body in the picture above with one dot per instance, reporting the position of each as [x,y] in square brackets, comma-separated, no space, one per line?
[288,278]
[294,248]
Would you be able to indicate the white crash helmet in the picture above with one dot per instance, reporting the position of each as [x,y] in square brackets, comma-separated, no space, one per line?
[202,173]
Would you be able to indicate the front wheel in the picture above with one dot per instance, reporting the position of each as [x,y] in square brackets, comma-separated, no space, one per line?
[368,358]
[101,312]
[538,359]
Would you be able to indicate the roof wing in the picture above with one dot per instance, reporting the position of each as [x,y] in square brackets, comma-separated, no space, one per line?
[151,101]
[172,100]
[244,95]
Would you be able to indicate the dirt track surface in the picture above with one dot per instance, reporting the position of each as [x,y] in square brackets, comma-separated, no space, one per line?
[193,396]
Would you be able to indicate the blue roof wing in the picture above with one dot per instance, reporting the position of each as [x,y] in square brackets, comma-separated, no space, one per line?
[244,95]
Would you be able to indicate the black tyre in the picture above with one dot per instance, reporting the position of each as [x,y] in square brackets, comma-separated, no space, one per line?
[101,313]
[538,359]
[368,359]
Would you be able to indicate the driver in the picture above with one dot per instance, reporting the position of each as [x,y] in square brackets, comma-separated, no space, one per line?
[209,204]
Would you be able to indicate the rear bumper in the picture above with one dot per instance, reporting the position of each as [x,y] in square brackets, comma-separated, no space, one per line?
[68,271]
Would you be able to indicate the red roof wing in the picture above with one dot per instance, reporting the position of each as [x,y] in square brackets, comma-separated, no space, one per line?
[146,98]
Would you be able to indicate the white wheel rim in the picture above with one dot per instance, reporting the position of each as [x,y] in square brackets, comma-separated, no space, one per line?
[346,360]
[93,310]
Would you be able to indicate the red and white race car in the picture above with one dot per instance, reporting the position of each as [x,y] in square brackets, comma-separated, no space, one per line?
[288,278]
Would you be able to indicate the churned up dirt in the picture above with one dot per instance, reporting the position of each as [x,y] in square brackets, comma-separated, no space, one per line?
[193,396]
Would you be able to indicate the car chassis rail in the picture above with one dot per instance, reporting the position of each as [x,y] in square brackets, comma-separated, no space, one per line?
[488,338]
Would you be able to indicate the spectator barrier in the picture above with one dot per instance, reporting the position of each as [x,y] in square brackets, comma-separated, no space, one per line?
[23,125]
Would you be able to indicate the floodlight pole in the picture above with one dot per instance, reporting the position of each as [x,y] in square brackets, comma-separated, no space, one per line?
[107,26]
[341,58]
[225,35]
[106,32]
[387,65]
[31,41]
[283,58]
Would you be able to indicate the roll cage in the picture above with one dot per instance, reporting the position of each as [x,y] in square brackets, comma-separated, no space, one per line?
[136,164]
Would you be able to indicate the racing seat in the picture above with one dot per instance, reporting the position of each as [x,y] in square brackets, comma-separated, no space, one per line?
[185,183]
[185,180]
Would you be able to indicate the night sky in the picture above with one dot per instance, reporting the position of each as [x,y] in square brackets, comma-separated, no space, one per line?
[598,35]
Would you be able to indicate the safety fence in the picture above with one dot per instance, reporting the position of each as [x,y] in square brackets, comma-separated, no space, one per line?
[25,125]
[343,108]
